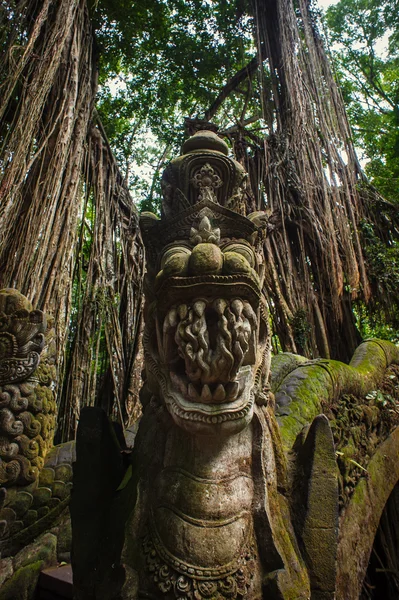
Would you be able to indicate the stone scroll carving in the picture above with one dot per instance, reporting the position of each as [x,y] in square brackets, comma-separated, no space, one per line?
[35,476]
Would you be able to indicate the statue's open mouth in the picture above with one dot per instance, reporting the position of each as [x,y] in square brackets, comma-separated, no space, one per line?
[213,413]
[209,347]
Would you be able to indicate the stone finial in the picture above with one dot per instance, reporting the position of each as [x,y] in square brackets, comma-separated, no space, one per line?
[203,171]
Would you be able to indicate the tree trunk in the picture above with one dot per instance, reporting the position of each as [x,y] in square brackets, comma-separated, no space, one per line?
[310,175]
[54,166]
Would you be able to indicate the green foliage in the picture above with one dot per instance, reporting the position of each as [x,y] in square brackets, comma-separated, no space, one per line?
[162,61]
[365,38]
[301,328]
[382,260]
[372,324]
[381,319]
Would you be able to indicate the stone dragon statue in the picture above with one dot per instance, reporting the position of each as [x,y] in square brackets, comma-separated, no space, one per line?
[207,357]
[231,490]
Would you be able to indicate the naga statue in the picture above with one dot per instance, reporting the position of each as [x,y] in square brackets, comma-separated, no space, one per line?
[204,523]
[232,490]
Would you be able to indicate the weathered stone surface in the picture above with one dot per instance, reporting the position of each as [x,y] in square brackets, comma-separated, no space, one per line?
[360,519]
[6,569]
[210,526]
[206,258]
[225,503]
[207,140]
[22,340]
[315,505]
[43,549]
[307,388]
[22,585]
[34,479]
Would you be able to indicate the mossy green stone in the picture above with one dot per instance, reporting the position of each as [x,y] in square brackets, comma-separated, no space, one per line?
[22,585]
[41,496]
[46,477]
[236,263]
[6,570]
[12,300]
[206,259]
[22,503]
[30,517]
[177,264]
[63,473]
[44,548]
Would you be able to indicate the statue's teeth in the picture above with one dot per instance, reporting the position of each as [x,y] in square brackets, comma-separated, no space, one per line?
[220,306]
[172,315]
[206,395]
[236,307]
[182,311]
[232,390]
[166,325]
[248,311]
[220,393]
[192,393]
[199,307]
[190,352]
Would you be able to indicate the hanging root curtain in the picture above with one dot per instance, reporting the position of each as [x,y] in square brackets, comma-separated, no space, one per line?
[305,173]
[69,237]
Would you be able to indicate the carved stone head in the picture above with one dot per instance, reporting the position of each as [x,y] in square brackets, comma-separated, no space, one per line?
[27,402]
[206,337]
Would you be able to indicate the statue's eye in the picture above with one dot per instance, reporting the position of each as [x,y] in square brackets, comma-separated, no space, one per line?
[243,249]
[174,253]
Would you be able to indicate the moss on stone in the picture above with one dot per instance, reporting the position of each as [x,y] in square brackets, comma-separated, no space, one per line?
[236,263]
[206,259]
[44,548]
[22,585]
[308,389]
[177,264]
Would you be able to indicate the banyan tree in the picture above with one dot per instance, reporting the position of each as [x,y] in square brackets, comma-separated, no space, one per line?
[69,229]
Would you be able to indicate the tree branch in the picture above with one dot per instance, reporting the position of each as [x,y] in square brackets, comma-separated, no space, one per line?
[232,84]
[240,125]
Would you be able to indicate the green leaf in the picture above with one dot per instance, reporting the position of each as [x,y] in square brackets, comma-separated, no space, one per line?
[126,478]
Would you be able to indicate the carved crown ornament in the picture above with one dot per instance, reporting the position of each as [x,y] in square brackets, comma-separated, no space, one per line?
[203,171]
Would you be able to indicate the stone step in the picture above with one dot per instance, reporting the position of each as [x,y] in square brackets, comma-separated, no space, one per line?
[55,584]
